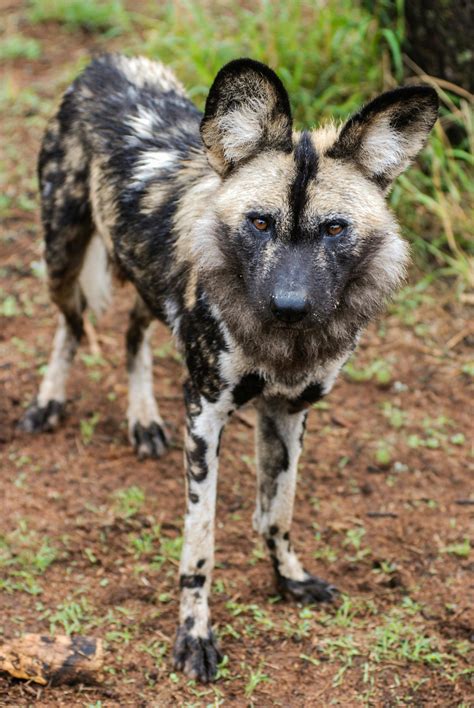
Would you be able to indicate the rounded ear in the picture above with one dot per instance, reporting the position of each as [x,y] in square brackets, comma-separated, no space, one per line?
[247,110]
[387,134]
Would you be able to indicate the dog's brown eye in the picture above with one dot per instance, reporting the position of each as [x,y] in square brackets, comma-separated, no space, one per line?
[334,229]
[260,223]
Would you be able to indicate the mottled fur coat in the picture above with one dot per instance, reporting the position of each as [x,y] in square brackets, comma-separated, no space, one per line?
[265,250]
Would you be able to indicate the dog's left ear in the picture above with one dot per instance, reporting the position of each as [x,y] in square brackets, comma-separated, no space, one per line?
[387,134]
[247,111]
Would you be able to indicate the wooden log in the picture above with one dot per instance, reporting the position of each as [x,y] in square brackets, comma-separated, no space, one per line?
[53,660]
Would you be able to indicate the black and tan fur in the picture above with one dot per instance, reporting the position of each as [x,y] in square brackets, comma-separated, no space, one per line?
[266,251]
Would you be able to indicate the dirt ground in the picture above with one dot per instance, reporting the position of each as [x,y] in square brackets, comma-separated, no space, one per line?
[90,537]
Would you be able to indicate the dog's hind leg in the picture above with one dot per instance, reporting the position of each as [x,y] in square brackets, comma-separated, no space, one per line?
[279,436]
[145,425]
[68,227]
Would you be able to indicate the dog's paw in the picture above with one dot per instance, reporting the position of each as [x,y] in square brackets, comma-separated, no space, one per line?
[307,591]
[198,657]
[41,419]
[149,440]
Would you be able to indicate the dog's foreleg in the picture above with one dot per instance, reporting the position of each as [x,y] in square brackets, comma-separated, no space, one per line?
[279,436]
[195,649]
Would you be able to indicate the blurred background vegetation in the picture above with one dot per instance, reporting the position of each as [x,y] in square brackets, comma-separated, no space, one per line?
[332,56]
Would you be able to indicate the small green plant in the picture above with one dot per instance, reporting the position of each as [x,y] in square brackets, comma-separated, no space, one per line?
[88,426]
[146,542]
[378,370]
[129,501]
[383,453]
[395,416]
[70,616]
[461,549]
[9,307]
[24,556]
[256,677]
[17,46]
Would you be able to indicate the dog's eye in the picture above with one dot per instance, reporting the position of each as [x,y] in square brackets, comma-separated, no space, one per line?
[260,223]
[334,229]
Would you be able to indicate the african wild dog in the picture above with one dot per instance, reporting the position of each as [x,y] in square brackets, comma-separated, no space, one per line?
[265,250]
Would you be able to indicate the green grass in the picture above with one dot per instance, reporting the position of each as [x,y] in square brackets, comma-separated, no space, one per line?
[88,15]
[24,557]
[17,46]
[128,502]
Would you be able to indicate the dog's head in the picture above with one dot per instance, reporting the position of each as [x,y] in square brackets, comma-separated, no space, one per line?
[300,219]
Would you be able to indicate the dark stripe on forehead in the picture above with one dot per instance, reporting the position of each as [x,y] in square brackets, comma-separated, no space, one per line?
[306,161]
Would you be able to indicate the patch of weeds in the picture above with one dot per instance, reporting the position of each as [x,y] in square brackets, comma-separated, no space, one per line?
[344,649]
[468,369]
[258,553]
[22,346]
[383,453]
[385,567]
[378,370]
[353,540]
[259,615]
[94,363]
[17,46]
[396,640]
[24,556]
[324,552]
[408,301]
[457,439]
[128,501]
[87,427]
[9,307]
[395,416]
[169,552]
[90,15]
[71,616]
[256,677]
[90,555]
[157,650]
[145,543]
[435,434]
[461,549]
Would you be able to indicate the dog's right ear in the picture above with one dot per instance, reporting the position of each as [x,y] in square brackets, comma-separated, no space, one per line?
[247,111]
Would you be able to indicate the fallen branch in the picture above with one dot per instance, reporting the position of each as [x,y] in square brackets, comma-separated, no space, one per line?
[53,660]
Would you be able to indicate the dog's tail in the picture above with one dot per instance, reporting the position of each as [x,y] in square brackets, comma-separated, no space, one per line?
[95,278]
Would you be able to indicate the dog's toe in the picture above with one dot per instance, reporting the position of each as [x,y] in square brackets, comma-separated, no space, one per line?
[150,440]
[312,589]
[198,657]
[40,419]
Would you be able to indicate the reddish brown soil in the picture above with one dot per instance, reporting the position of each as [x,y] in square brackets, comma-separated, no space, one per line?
[63,485]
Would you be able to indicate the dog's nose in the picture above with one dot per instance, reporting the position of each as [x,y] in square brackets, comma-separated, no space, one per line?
[290,306]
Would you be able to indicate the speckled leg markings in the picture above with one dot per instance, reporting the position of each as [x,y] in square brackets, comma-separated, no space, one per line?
[145,425]
[46,412]
[195,649]
[278,441]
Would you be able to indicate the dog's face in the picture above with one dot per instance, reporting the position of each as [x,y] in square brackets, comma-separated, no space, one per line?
[300,219]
